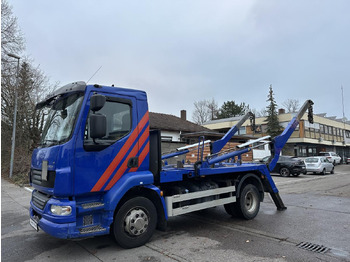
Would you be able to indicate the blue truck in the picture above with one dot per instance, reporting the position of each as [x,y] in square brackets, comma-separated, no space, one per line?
[99,169]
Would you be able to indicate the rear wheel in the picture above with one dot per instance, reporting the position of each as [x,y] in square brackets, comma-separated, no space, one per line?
[323,171]
[247,205]
[284,172]
[135,222]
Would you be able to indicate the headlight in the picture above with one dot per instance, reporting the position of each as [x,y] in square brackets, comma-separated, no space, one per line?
[61,210]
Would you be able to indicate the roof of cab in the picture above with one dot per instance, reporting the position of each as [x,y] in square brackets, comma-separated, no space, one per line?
[80,86]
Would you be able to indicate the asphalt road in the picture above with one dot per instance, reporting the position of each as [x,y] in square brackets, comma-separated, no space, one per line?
[318,212]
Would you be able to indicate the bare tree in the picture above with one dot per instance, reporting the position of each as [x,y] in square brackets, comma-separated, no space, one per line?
[201,113]
[12,40]
[213,108]
[291,105]
[31,87]
[259,113]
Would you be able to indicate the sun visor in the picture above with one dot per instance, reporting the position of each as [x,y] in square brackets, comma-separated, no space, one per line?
[73,87]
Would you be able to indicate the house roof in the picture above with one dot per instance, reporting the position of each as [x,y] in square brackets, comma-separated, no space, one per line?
[173,123]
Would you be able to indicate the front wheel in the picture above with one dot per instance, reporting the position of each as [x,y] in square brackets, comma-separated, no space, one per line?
[135,222]
[284,172]
[323,172]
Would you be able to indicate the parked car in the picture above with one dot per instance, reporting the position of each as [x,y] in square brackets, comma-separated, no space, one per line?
[319,164]
[332,157]
[287,165]
[347,160]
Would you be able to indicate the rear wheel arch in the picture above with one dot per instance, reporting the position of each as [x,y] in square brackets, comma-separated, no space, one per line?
[250,178]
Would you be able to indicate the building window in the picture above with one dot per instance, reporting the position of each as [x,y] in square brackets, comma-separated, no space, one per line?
[347,134]
[322,129]
[302,151]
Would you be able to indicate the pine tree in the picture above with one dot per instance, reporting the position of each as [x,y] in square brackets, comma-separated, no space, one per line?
[231,109]
[273,125]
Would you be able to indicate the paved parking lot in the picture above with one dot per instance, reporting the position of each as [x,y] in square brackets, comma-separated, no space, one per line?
[318,212]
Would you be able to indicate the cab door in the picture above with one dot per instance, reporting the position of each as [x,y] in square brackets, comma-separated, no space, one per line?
[99,163]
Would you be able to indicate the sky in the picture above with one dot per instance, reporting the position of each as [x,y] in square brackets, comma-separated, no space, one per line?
[182,51]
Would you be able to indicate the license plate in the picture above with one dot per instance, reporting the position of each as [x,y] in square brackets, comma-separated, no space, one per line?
[34,224]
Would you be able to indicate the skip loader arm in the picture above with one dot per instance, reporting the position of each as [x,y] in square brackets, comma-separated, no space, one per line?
[276,146]
[218,145]
[279,141]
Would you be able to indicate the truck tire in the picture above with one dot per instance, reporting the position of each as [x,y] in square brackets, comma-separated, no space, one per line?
[135,222]
[247,205]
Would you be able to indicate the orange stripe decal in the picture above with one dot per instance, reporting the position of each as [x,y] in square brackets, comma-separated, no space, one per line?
[122,169]
[116,161]
[124,166]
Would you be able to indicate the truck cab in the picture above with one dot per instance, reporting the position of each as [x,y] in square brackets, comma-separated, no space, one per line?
[74,166]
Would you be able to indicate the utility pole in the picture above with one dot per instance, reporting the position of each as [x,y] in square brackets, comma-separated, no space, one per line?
[342,96]
[14,115]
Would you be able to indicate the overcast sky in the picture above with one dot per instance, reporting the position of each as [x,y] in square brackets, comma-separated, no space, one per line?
[184,51]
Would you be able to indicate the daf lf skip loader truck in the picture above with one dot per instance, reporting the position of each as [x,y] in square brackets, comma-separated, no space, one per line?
[99,169]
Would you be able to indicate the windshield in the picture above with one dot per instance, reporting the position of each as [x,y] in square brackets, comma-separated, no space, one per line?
[61,119]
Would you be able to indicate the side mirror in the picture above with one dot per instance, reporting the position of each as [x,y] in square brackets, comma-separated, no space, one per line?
[97,102]
[98,126]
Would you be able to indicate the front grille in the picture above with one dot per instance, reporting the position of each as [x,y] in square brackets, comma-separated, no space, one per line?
[39,199]
[35,178]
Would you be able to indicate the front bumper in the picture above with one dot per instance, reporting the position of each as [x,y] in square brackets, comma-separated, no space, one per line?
[64,231]
[81,223]
[57,226]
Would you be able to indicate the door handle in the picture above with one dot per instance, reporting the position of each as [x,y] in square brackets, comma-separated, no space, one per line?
[133,162]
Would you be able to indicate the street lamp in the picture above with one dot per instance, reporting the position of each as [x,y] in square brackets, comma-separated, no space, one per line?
[14,115]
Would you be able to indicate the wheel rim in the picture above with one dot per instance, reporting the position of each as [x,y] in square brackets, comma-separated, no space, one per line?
[136,222]
[284,172]
[250,202]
